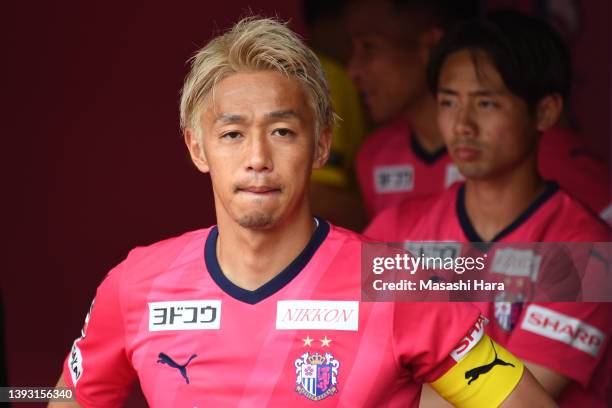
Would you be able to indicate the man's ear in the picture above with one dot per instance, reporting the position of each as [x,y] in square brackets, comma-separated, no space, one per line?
[196,150]
[548,111]
[322,148]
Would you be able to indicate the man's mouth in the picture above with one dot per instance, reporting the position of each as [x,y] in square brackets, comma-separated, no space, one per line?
[465,153]
[259,190]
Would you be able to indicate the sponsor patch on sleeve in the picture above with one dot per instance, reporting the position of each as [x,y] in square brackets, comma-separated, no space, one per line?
[563,328]
[76,363]
[470,340]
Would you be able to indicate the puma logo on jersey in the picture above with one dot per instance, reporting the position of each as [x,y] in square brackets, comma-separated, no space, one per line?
[164,359]
[474,373]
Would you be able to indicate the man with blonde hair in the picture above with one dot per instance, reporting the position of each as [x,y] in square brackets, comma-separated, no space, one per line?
[264,308]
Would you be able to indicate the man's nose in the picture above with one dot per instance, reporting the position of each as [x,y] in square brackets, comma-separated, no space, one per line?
[464,125]
[259,154]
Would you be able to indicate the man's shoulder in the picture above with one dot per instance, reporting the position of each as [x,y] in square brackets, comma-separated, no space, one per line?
[349,238]
[148,261]
[580,221]
[172,244]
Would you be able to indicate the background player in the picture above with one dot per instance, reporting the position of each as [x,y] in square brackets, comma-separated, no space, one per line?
[176,315]
[500,83]
[406,157]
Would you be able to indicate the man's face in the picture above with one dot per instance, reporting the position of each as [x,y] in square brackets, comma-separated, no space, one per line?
[257,134]
[487,129]
[388,61]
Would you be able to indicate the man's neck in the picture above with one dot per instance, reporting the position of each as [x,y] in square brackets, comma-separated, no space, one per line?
[492,205]
[423,120]
[250,258]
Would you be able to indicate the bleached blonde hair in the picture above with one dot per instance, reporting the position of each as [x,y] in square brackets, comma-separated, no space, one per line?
[255,44]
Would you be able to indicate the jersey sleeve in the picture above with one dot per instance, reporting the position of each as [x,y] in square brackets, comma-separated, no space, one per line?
[97,366]
[569,338]
[426,336]
[445,344]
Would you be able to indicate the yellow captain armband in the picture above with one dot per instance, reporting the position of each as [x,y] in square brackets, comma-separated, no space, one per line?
[484,377]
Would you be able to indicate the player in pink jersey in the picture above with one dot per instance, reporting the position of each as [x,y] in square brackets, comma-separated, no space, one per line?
[264,308]
[406,158]
[392,167]
[563,157]
[494,101]
[392,40]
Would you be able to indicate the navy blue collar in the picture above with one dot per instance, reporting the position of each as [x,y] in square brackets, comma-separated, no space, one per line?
[420,152]
[273,285]
[468,228]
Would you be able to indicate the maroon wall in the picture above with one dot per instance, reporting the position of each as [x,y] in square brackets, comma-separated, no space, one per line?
[95,161]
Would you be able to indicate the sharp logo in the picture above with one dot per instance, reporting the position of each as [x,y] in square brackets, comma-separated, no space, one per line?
[317,315]
[563,328]
[185,315]
[470,340]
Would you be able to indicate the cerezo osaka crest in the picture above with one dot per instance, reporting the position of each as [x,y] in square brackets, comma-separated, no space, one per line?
[316,375]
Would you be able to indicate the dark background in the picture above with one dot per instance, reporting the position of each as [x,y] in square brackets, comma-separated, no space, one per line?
[95,163]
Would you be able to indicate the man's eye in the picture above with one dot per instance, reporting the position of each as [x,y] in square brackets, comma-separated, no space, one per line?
[486,104]
[231,135]
[445,103]
[283,132]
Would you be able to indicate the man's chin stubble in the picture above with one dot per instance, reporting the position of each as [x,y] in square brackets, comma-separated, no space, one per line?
[257,221]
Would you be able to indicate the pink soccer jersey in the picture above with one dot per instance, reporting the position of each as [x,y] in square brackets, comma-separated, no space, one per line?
[564,159]
[571,338]
[392,167]
[168,317]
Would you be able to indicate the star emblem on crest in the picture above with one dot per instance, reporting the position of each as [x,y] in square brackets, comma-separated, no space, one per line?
[307,341]
[325,342]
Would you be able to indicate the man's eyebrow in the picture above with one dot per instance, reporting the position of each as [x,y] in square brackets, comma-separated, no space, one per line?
[230,118]
[480,92]
[447,91]
[285,114]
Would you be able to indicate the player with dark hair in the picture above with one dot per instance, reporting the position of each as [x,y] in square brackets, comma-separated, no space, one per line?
[264,308]
[499,84]
[406,156]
